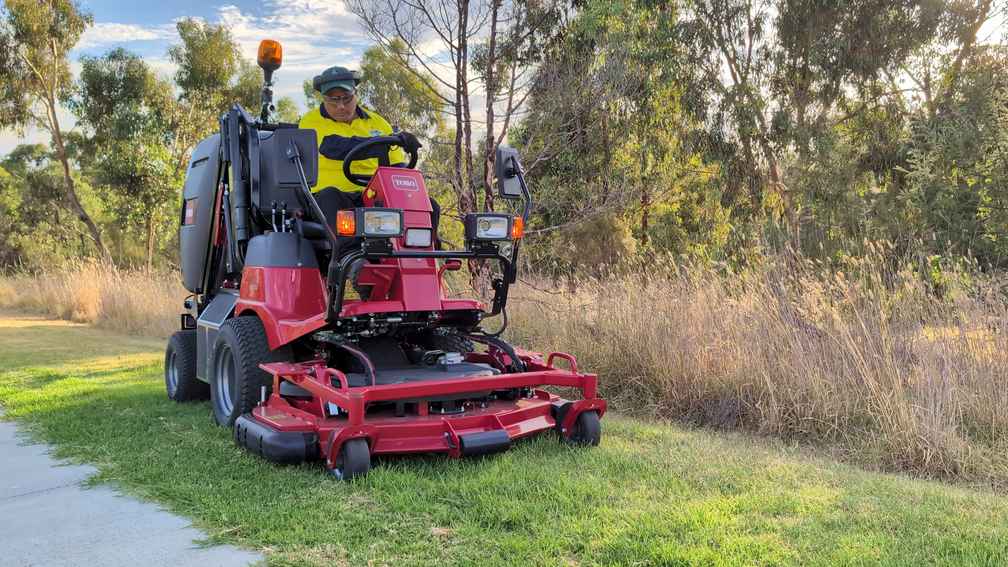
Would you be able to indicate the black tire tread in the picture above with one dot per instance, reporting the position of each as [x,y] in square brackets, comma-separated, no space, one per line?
[356,459]
[449,342]
[249,349]
[189,387]
[587,430]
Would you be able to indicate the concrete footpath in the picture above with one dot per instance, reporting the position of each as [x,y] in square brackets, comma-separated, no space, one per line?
[47,518]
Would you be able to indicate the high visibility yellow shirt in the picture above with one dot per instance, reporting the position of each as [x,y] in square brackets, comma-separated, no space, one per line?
[336,139]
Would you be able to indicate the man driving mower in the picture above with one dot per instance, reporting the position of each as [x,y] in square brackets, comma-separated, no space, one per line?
[341,123]
[302,373]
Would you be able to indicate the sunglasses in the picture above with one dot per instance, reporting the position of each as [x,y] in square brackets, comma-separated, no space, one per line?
[343,99]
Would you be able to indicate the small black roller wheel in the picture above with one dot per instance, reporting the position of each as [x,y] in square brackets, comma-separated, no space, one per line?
[236,381]
[587,430]
[180,368]
[354,460]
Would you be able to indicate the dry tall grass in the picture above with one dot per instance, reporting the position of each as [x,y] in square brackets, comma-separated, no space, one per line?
[132,301]
[873,364]
[869,362]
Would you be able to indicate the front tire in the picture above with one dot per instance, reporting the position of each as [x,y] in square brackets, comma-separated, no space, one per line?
[181,382]
[587,430]
[236,381]
[354,460]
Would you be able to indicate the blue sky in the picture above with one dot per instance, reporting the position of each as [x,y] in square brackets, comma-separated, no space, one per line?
[315,34]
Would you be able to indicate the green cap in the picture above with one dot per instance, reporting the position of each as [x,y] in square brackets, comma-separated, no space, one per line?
[336,78]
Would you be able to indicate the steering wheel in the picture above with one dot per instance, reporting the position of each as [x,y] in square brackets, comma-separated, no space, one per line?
[377,147]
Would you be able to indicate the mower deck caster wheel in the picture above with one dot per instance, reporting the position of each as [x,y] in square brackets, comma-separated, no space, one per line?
[587,430]
[354,460]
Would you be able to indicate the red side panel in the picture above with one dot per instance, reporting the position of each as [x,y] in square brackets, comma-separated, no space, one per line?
[291,302]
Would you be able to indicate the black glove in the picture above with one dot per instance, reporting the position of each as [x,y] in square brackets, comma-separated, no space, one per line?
[410,143]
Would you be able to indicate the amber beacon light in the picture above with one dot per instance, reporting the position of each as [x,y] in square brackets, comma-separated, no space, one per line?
[270,54]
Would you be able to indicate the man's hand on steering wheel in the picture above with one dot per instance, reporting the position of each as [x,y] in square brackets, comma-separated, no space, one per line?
[378,148]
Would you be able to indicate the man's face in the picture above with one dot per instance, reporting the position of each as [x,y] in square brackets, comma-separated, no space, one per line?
[340,104]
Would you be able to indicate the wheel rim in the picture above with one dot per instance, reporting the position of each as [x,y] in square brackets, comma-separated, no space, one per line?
[172,372]
[224,379]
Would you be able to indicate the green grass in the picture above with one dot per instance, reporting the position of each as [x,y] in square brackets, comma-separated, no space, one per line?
[649,495]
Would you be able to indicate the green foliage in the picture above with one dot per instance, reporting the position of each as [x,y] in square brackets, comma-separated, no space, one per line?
[313,98]
[37,230]
[287,110]
[212,75]
[608,112]
[207,59]
[123,109]
[35,37]
[958,166]
[403,95]
[720,127]
[714,129]
[592,246]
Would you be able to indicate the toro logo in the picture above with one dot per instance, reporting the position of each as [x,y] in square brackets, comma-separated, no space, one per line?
[405,183]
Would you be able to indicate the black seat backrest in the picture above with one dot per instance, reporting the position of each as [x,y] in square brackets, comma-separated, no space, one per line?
[279,179]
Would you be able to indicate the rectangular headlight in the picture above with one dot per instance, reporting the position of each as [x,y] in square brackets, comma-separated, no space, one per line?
[488,226]
[381,223]
[418,237]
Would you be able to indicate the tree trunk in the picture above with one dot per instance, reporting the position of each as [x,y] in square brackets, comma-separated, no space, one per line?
[75,204]
[790,200]
[645,196]
[467,199]
[491,95]
[150,242]
[463,89]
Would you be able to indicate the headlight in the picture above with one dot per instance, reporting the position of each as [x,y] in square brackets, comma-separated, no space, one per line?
[488,226]
[370,223]
[418,237]
[382,222]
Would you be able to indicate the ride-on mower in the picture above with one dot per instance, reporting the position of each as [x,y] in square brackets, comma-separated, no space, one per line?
[302,373]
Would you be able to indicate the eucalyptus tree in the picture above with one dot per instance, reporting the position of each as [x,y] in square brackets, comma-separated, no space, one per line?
[123,109]
[35,80]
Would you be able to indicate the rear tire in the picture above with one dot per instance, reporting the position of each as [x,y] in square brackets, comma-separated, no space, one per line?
[181,382]
[354,460]
[236,381]
[587,430]
[449,342]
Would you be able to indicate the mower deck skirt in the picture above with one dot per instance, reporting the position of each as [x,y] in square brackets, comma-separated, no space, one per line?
[479,429]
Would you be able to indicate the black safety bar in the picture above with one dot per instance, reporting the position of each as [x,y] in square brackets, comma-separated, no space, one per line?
[336,277]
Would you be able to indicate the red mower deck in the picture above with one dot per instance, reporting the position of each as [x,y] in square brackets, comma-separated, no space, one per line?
[477,428]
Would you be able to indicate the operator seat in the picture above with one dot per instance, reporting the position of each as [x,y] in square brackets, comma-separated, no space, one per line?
[279,183]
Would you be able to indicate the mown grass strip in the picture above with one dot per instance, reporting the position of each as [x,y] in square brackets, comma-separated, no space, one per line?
[650,495]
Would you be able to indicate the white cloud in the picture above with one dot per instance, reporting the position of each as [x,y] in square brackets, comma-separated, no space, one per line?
[314,35]
[109,33]
[10,139]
